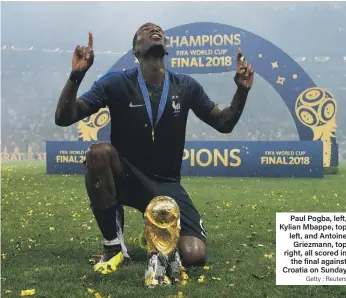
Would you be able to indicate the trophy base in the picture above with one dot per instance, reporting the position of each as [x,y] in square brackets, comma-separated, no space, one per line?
[164,270]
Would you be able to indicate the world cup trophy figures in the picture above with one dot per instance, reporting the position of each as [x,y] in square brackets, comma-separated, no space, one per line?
[162,230]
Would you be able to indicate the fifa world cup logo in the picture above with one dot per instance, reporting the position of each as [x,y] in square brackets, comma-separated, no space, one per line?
[90,126]
[316,108]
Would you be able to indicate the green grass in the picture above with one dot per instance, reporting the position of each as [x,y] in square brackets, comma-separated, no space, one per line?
[235,212]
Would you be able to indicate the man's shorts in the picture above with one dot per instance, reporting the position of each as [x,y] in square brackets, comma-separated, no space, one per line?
[136,189]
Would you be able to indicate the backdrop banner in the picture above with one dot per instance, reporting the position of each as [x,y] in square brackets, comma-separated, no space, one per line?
[215,159]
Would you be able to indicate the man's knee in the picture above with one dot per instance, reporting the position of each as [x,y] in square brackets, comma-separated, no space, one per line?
[193,251]
[102,155]
[99,152]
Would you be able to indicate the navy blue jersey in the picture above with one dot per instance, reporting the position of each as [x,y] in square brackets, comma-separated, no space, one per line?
[131,131]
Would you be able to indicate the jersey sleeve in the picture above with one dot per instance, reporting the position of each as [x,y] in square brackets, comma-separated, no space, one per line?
[96,97]
[200,102]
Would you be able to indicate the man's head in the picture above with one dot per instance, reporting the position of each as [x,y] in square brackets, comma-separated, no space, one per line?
[149,40]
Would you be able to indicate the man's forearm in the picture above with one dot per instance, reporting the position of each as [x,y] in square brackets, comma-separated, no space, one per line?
[230,116]
[65,113]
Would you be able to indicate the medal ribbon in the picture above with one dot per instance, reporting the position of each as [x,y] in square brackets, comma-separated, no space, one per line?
[146,98]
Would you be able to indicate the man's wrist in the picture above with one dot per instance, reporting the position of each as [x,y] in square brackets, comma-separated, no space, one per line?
[243,90]
[76,77]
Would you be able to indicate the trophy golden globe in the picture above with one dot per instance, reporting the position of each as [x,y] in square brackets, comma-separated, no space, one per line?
[162,230]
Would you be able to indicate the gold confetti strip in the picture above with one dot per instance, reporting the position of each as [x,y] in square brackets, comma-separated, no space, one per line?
[28,292]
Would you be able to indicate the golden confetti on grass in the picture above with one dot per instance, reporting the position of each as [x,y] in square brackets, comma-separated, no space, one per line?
[206,267]
[268,256]
[180,294]
[91,290]
[184,275]
[216,278]
[28,292]
[97,295]
[52,228]
[201,279]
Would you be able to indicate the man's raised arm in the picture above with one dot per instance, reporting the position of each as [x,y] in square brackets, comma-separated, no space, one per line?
[225,120]
[70,109]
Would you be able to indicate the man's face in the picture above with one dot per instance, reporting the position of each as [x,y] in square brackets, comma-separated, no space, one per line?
[149,37]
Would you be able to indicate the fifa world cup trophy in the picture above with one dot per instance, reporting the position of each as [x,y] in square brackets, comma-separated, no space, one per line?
[162,229]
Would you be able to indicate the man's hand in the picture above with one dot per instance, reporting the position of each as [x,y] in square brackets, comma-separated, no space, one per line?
[71,109]
[83,57]
[245,73]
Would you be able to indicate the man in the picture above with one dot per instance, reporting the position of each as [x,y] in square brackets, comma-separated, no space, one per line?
[149,107]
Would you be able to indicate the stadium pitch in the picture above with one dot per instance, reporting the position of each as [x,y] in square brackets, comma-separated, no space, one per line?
[49,236]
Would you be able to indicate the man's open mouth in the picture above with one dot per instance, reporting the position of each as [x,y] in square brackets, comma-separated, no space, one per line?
[156,36]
